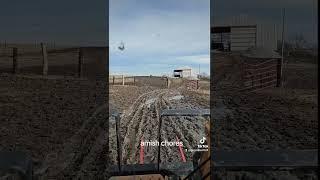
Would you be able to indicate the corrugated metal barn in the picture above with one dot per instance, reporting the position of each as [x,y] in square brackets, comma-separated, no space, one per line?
[241,33]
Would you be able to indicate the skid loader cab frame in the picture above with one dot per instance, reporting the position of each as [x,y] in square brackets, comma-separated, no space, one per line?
[278,160]
[166,170]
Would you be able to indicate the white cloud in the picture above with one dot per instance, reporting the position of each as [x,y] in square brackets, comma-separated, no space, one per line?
[196,59]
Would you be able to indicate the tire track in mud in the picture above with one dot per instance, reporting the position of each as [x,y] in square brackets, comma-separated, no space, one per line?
[142,120]
[128,116]
[187,129]
[134,127]
[164,130]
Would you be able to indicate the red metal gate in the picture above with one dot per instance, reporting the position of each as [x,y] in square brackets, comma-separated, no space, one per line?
[261,75]
[192,84]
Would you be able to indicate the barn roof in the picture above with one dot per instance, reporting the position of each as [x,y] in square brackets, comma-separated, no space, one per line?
[183,68]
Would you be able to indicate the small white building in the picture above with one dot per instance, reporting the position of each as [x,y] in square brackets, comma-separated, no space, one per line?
[182,72]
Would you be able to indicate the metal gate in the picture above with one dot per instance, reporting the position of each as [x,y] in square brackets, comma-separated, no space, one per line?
[192,84]
[261,75]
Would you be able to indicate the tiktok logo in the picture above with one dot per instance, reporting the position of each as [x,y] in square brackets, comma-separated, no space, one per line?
[202,140]
[202,145]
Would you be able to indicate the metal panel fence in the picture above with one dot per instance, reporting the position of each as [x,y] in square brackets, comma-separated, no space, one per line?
[261,75]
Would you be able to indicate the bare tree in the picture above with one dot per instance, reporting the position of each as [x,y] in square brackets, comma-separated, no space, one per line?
[299,42]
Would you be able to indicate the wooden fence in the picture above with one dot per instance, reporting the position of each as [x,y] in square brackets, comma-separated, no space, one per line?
[72,61]
[261,75]
[155,81]
[161,82]
[121,80]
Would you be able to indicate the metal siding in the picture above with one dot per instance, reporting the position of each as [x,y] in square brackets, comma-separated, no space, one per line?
[268,34]
[186,73]
[242,38]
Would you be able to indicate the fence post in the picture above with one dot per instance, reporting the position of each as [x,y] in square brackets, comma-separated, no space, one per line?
[134,80]
[113,80]
[80,62]
[255,39]
[122,80]
[15,60]
[44,59]
[279,72]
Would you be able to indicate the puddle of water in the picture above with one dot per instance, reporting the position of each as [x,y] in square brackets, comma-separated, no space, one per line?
[149,102]
[178,97]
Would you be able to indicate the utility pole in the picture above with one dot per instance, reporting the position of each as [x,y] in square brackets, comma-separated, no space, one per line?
[314,20]
[282,46]
[282,34]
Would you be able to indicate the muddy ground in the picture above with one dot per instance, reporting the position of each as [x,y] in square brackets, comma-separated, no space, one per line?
[270,119]
[140,108]
[61,123]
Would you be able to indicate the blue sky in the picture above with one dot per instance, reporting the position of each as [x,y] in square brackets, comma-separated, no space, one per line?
[67,22]
[158,36]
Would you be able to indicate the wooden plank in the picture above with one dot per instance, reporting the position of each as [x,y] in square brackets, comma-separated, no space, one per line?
[63,50]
